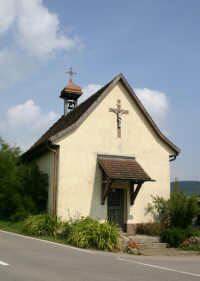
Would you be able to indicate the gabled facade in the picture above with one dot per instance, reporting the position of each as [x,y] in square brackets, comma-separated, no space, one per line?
[105,158]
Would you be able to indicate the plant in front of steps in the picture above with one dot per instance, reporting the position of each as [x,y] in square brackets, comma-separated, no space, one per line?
[90,233]
[133,248]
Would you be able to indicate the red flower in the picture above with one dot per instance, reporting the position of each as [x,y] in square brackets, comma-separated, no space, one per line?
[185,243]
[133,245]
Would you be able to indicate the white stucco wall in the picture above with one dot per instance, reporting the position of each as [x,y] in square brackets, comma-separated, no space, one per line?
[46,164]
[79,188]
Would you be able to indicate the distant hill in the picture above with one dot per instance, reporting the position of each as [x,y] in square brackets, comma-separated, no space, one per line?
[190,187]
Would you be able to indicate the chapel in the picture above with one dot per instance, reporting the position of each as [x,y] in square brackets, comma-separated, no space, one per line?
[105,157]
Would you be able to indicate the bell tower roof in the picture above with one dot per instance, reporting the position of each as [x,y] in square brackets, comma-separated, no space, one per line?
[70,94]
[71,88]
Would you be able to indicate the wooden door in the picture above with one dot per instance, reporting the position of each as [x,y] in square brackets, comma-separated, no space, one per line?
[116,206]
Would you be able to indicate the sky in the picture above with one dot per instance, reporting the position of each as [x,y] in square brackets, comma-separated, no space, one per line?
[155,44]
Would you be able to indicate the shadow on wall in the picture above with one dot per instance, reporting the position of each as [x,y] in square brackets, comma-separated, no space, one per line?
[97,211]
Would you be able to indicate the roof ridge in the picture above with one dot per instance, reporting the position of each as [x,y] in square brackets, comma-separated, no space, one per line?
[74,118]
[68,116]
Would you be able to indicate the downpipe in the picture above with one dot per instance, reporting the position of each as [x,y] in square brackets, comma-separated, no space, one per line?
[54,180]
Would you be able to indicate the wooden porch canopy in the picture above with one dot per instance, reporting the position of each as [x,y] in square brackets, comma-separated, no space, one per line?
[116,168]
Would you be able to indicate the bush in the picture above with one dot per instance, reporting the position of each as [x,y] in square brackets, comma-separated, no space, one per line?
[41,225]
[66,228]
[89,233]
[83,233]
[23,187]
[149,228]
[192,232]
[178,211]
[175,236]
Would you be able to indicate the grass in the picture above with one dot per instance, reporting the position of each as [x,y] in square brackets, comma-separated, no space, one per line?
[17,227]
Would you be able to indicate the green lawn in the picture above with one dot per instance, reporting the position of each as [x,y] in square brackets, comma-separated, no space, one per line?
[17,227]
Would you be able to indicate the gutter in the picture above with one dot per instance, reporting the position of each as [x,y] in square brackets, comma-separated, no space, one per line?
[54,180]
[172,158]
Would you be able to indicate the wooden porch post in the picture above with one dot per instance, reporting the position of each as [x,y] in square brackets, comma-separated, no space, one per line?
[134,192]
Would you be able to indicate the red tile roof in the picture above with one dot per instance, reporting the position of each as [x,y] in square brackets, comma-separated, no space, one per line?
[122,168]
[71,87]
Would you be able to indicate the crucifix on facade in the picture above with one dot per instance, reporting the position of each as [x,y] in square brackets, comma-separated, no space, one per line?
[119,112]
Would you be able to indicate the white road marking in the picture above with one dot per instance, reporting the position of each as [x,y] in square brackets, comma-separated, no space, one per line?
[161,267]
[3,263]
[49,242]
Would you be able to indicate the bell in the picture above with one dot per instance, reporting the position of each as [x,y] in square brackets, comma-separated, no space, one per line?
[71,105]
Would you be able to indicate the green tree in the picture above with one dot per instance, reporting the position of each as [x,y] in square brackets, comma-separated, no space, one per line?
[23,187]
[178,211]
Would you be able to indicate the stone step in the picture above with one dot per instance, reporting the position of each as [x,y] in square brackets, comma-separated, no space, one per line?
[144,239]
[156,245]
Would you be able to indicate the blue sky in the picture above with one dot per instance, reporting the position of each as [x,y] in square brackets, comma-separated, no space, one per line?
[154,43]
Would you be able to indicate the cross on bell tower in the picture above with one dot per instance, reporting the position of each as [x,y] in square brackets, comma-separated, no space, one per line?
[71,73]
[70,94]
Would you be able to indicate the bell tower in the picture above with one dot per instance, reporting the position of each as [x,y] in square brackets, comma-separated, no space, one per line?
[70,94]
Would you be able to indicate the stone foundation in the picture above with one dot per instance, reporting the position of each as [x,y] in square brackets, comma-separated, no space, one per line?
[131,228]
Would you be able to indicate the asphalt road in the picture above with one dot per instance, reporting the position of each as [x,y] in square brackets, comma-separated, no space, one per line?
[26,259]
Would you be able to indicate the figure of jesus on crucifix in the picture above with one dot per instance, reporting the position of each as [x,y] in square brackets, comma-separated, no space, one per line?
[118,111]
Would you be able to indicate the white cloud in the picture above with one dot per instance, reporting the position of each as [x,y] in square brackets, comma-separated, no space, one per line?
[24,123]
[34,34]
[39,30]
[7,14]
[155,101]
[88,91]
[157,104]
